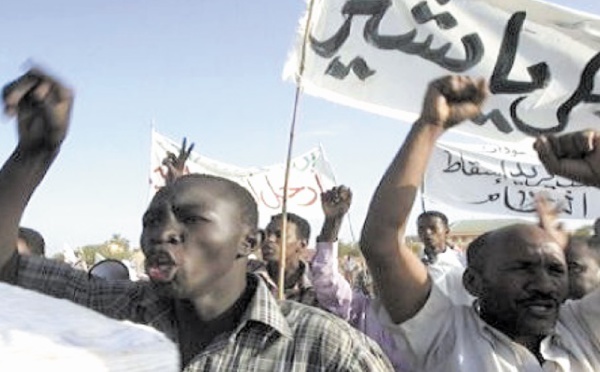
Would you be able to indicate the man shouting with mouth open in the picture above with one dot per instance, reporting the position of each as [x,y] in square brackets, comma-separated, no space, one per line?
[197,234]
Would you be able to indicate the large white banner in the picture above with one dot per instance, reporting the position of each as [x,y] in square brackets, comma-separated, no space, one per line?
[310,175]
[499,178]
[541,60]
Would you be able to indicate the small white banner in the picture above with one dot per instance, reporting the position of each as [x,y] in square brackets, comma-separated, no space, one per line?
[541,60]
[501,179]
[310,175]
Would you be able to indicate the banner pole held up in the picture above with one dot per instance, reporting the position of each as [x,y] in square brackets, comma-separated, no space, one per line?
[282,251]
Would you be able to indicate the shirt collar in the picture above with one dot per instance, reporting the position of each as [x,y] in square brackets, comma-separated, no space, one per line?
[264,309]
[494,335]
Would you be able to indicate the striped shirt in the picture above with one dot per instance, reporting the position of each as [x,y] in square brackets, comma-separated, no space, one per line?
[271,336]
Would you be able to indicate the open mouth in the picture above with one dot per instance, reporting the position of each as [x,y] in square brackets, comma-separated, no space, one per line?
[161,267]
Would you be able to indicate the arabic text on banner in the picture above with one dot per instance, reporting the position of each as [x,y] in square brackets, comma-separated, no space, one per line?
[502,179]
[310,175]
[541,60]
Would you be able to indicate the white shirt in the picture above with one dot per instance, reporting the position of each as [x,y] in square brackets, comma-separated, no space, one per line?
[447,272]
[445,337]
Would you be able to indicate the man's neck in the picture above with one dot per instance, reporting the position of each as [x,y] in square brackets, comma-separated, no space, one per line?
[532,343]
[432,252]
[293,272]
[224,294]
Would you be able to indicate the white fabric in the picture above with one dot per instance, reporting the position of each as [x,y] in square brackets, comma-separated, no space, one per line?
[444,337]
[501,179]
[386,68]
[447,271]
[310,175]
[42,333]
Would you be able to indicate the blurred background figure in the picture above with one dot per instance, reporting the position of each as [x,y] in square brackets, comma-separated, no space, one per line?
[110,269]
[583,259]
[30,242]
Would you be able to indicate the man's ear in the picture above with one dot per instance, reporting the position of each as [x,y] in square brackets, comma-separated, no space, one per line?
[250,243]
[303,244]
[473,282]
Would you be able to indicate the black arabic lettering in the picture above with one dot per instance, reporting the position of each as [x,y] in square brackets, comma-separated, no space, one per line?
[568,209]
[472,44]
[376,9]
[539,181]
[502,150]
[566,183]
[522,172]
[499,82]
[328,48]
[358,65]
[452,166]
[490,198]
[583,94]
[524,202]
[422,14]
[497,119]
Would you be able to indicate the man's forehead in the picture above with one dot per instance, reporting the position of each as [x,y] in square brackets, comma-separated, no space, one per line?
[429,221]
[524,239]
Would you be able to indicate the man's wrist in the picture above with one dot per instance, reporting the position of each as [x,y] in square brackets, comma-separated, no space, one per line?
[330,230]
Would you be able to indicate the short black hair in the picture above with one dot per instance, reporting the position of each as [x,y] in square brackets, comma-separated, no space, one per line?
[245,200]
[119,271]
[34,240]
[302,225]
[476,252]
[431,214]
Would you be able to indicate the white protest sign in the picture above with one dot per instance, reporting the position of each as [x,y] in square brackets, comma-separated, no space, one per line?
[500,178]
[310,175]
[541,60]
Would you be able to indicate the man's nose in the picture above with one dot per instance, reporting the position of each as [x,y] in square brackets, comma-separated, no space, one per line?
[169,232]
[272,237]
[541,281]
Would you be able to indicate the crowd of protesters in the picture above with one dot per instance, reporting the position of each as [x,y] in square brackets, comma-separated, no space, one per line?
[522,298]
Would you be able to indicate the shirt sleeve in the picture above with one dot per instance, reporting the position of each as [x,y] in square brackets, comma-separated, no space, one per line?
[333,291]
[8,273]
[60,280]
[582,316]
[421,332]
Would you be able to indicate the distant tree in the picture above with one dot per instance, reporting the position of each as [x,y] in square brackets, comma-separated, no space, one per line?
[348,249]
[116,248]
[58,257]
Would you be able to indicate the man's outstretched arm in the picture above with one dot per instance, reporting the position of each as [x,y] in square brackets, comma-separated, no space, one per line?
[42,106]
[401,279]
[333,291]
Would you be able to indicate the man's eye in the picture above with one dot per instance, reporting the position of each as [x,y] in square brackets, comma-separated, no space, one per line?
[575,268]
[558,270]
[193,219]
[150,220]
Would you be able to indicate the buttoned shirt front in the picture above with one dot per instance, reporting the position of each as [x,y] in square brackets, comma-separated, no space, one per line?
[445,337]
[271,336]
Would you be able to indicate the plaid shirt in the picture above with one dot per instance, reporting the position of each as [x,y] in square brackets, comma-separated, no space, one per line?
[271,336]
